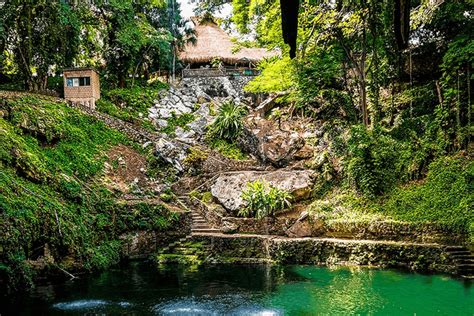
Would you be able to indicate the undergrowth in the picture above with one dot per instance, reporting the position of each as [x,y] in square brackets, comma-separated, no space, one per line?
[51,196]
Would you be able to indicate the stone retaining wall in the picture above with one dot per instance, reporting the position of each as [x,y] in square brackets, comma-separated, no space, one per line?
[376,230]
[267,225]
[393,230]
[324,251]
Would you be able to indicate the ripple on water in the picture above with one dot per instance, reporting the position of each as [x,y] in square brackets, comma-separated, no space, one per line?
[235,305]
[88,305]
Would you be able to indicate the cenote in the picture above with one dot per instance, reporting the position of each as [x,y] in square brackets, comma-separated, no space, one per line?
[143,289]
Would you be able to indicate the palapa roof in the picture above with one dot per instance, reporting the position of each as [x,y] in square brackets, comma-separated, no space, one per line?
[212,42]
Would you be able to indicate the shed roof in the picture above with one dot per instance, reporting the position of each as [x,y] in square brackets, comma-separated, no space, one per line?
[212,42]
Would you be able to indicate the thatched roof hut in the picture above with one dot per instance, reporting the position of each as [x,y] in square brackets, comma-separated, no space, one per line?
[212,42]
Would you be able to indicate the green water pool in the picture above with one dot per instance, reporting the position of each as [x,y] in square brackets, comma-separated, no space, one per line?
[143,289]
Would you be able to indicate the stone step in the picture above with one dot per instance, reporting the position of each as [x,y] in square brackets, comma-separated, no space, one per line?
[464,260]
[163,250]
[466,265]
[460,253]
[455,248]
[199,226]
[199,221]
[205,230]
[466,269]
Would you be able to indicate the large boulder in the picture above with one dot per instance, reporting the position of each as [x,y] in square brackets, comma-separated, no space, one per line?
[227,189]
[264,139]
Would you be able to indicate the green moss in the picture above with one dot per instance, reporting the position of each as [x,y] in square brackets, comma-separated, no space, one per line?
[195,156]
[227,149]
[178,258]
[207,197]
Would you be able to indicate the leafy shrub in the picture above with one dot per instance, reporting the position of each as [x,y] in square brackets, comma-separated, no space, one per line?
[373,164]
[264,200]
[229,121]
[278,75]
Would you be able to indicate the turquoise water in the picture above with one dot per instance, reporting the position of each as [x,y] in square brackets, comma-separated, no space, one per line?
[143,289]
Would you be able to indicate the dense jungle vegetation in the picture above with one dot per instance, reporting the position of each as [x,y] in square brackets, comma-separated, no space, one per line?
[396,122]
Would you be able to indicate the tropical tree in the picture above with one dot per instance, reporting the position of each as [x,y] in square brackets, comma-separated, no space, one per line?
[42,35]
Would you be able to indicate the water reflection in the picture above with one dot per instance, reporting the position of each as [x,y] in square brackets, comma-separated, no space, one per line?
[143,289]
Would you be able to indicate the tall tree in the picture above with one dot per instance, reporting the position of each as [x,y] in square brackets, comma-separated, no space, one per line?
[41,34]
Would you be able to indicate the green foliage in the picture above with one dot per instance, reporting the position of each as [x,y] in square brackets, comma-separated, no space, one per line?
[445,196]
[178,121]
[372,165]
[24,26]
[228,123]
[264,200]
[226,148]
[103,255]
[277,76]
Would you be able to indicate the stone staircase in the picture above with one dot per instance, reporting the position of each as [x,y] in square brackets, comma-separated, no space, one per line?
[463,258]
[184,251]
[200,225]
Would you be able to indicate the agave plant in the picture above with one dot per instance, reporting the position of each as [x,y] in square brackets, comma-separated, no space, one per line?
[229,121]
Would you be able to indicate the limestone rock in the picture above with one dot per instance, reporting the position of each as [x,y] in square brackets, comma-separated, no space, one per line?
[229,227]
[270,144]
[172,152]
[227,189]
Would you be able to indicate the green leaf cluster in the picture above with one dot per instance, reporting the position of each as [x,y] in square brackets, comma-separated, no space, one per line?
[228,123]
[263,200]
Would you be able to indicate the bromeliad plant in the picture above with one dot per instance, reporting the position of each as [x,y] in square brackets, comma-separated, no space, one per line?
[229,121]
[264,200]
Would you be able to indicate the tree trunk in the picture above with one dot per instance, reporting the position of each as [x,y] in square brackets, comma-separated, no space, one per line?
[363,100]
[121,81]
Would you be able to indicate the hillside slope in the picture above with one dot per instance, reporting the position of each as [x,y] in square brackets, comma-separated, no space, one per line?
[58,207]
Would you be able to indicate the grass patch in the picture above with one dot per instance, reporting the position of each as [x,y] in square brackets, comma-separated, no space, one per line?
[130,104]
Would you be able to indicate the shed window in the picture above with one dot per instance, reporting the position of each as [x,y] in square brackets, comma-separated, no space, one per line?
[79,82]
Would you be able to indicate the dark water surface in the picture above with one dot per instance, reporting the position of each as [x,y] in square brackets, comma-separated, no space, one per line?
[143,289]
